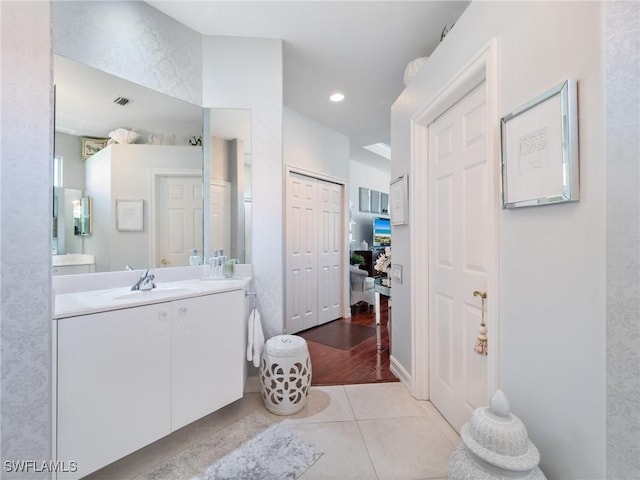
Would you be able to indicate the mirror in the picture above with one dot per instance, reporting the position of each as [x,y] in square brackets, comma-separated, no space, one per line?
[230,182]
[82,221]
[166,156]
[89,105]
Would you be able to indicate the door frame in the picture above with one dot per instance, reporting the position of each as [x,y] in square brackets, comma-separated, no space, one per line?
[482,67]
[154,173]
[288,169]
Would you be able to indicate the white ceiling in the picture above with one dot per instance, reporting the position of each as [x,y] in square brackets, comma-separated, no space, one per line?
[359,48]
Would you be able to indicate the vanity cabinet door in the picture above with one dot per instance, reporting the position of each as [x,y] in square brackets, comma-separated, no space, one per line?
[207,355]
[113,384]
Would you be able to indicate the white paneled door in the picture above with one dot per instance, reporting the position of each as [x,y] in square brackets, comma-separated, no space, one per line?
[458,209]
[179,219]
[314,252]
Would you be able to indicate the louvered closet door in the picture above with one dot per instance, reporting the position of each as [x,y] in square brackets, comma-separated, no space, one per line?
[314,252]
[458,208]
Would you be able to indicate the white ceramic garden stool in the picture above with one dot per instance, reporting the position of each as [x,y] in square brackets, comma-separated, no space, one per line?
[495,446]
[285,374]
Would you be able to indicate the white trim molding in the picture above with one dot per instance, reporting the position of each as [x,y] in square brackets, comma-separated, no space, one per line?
[401,373]
[482,67]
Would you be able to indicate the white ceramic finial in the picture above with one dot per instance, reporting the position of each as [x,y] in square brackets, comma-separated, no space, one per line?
[500,404]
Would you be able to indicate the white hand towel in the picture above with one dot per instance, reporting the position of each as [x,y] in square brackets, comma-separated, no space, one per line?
[250,335]
[258,338]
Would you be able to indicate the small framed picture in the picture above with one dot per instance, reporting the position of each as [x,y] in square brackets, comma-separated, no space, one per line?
[399,201]
[130,215]
[540,150]
[91,145]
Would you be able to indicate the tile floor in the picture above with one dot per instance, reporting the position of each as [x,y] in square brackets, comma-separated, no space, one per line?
[367,431]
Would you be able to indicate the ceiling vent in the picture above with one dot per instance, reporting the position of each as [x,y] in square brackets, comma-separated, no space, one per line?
[122,101]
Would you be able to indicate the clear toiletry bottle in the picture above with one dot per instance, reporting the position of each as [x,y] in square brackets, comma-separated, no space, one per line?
[194,259]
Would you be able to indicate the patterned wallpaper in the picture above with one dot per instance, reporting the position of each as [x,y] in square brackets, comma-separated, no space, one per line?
[623,238]
[134,41]
[25,259]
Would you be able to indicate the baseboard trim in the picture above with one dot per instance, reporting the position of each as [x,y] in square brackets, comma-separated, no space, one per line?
[399,371]
[252,385]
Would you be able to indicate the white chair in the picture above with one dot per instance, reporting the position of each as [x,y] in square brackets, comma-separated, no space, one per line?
[361,287]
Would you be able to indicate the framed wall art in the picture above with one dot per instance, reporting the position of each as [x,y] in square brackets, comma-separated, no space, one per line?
[399,200]
[539,149]
[92,145]
[130,215]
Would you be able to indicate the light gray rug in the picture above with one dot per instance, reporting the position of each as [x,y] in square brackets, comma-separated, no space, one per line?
[252,448]
[274,454]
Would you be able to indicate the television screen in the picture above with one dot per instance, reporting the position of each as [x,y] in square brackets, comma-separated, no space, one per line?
[381,232]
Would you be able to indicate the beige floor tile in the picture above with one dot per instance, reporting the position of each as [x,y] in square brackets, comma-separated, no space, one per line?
[406,448]
[383,400]
[325,404]
[444,426]
[344,456]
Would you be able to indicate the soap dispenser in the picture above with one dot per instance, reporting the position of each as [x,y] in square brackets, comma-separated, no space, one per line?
[194,259]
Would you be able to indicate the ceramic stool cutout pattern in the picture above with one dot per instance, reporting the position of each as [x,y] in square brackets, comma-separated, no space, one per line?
[285,374]
[495,446]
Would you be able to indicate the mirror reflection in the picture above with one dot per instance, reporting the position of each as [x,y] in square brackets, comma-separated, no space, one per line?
[115,140]
[118,143]
[230,182]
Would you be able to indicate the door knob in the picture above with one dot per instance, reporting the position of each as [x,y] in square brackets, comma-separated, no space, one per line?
[164,262]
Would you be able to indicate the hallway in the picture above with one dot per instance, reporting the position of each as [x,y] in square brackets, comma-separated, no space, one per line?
[361,363]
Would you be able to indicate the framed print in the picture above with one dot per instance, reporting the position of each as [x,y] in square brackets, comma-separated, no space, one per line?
[399,200]
[365,199]
[92,145]
[130,215]
[539,149]
[375,201]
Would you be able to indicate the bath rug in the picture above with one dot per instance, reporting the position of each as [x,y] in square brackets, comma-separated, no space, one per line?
[274,454]
[251,439]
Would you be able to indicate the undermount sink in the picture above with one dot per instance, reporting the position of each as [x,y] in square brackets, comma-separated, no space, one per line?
[155,292]
[161,290]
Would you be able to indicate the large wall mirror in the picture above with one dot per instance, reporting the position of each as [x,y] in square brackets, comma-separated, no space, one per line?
[146,196]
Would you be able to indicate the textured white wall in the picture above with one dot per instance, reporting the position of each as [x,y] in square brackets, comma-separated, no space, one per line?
[552,258]
[25,214]
[623,238]
[131,40]
[247,73]
[313,147]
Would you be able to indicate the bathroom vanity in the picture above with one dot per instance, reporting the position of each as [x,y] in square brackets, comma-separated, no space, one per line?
[134,366]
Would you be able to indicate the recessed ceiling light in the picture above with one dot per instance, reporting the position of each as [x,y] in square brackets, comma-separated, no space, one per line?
[336,97]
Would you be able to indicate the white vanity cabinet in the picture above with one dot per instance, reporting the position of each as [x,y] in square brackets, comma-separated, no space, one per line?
[207,346]
[128,377]
[114,390]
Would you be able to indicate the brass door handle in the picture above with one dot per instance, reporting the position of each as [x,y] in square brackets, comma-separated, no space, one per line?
[164,262]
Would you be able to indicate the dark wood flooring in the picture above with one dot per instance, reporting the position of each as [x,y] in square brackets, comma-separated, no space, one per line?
[361,364]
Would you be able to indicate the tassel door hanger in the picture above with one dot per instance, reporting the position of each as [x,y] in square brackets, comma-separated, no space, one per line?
[480,346]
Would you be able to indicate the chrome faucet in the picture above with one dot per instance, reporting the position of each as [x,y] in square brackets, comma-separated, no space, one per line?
[145,282]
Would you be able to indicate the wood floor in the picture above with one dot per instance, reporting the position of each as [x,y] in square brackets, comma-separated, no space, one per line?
[361,364]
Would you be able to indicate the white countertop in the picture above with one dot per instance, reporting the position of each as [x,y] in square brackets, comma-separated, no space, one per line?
[101,292]
[95,301]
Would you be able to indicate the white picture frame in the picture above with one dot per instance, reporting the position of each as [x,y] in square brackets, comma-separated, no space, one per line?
[130,215]
[539,150]
[399,200]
